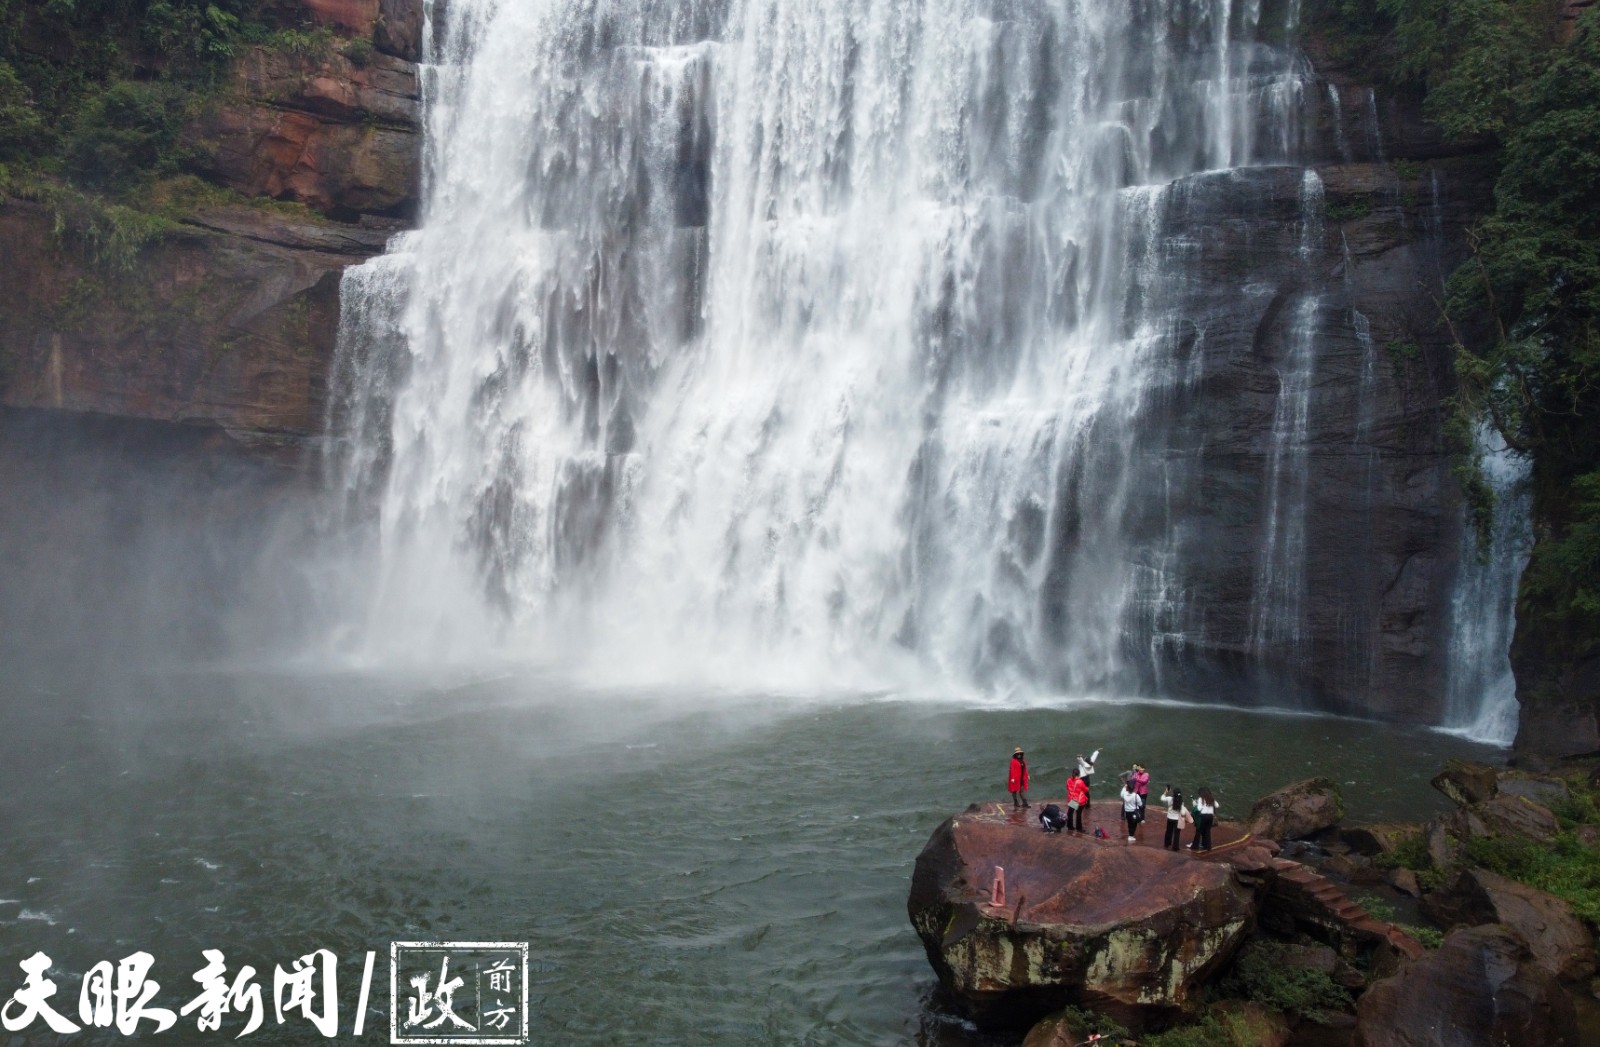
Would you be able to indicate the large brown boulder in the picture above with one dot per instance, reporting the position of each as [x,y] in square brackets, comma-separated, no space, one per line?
[1132,931]
[1467,781]
[1559,941]
[1380,838]
[1481,987]
[1297,810]
[1505,815]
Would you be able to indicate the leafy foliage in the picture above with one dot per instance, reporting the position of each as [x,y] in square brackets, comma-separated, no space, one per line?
[96,90]
[1566,868]
[1301,991]
[1092,1023]
[1525,308]
[1215,1029]
[20,124]
[125,134]
[1410,852]
[1209,1031]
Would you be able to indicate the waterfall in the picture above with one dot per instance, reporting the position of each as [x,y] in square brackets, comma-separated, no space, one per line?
[1278,616]
[1336,110]
[1481,695]
[809,341]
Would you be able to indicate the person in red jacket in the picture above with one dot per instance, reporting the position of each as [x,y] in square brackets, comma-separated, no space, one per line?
[1018,781]
[1077,800]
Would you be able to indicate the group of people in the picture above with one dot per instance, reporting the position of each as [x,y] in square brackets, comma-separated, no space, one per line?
[1134,794]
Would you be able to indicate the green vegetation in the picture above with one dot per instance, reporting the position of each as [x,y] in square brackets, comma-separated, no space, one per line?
[1407,170]
[94,97]
[1524,311]
[1301,991]
[1566,868]
[1210,1031]
[1403,351]
[1349,212]
[1215,1029]
[1090,1023]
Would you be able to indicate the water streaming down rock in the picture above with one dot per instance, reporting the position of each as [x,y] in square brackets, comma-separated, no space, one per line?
[1278,614]
[1481,701]
[852,339]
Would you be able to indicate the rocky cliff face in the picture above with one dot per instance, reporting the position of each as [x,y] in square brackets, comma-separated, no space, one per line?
[1320,367]
[229,316]
[1367,504]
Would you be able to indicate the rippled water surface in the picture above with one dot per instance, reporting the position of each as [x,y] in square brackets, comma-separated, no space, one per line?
[688,868]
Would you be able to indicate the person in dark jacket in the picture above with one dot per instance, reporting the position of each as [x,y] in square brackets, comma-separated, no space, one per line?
[1205,816]
[1018,780]
[1053,818]
[1178,818]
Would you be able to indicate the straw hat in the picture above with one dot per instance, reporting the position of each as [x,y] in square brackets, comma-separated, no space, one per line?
[1017,751]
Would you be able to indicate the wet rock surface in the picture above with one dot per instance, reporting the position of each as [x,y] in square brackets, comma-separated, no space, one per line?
[1482,986]
[229,326]
[1505,816]
[1131,930]
[1301,809]
[1467,782]
[1557,939]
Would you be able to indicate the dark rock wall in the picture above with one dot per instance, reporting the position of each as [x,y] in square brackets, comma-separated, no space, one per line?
[1382,512]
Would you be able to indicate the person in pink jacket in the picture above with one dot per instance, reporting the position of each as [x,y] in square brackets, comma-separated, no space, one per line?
[1018,780]
[1139,782]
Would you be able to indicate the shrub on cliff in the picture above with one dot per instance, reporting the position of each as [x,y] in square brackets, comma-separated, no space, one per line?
[19,118]
[125,134]
[1566,868]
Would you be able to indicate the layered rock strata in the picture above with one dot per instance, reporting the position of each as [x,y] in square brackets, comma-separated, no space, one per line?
[228,315]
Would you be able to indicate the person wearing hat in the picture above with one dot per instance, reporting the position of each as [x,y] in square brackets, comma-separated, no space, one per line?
[1017,782]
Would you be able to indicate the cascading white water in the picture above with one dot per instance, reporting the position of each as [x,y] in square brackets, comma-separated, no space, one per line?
[1481,699]
[1278,615]
[805,339]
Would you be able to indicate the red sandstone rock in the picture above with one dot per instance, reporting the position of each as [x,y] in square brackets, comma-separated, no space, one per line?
[359,16]
[1298,810]
[1559,941]
[1129,930]
[399,29]
[1481,987]
[1505,815]
[338,137]
[233,330]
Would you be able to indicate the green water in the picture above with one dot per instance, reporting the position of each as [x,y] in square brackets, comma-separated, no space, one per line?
[686,868]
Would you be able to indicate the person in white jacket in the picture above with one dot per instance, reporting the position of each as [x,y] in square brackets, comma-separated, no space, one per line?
[1085,769]
[1132,808]
[1205,816]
